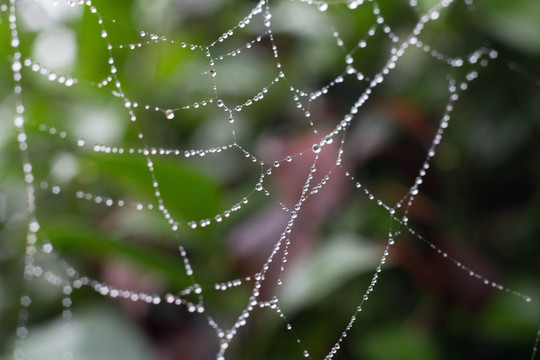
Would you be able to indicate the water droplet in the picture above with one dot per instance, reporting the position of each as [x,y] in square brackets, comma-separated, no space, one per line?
[349,59]
[103,34]
[258,187]
[47,248]
[316,148]
[288,159]
[169,114]
[306,354]
[322,6]
[33,226]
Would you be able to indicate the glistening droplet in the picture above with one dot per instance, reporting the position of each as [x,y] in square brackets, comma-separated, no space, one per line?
[322,6]
[169,114]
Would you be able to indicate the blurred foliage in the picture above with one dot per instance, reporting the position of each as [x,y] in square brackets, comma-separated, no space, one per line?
[479,201]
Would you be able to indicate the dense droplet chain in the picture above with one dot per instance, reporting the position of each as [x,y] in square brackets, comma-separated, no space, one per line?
[239,50]
[81,142]
[223,286]
[285,235]
[109,202]
[259,96]
[153,38]
[107,290]
[32,222]
[454,62]
[443,124]
[245,21]
[49,74]
[169,113]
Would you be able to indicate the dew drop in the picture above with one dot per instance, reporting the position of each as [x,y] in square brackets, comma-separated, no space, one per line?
[33,226]
[47,248]
[322,6]
[316,148]
[169,114]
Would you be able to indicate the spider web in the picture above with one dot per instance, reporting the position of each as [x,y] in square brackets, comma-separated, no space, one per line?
[224,84]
